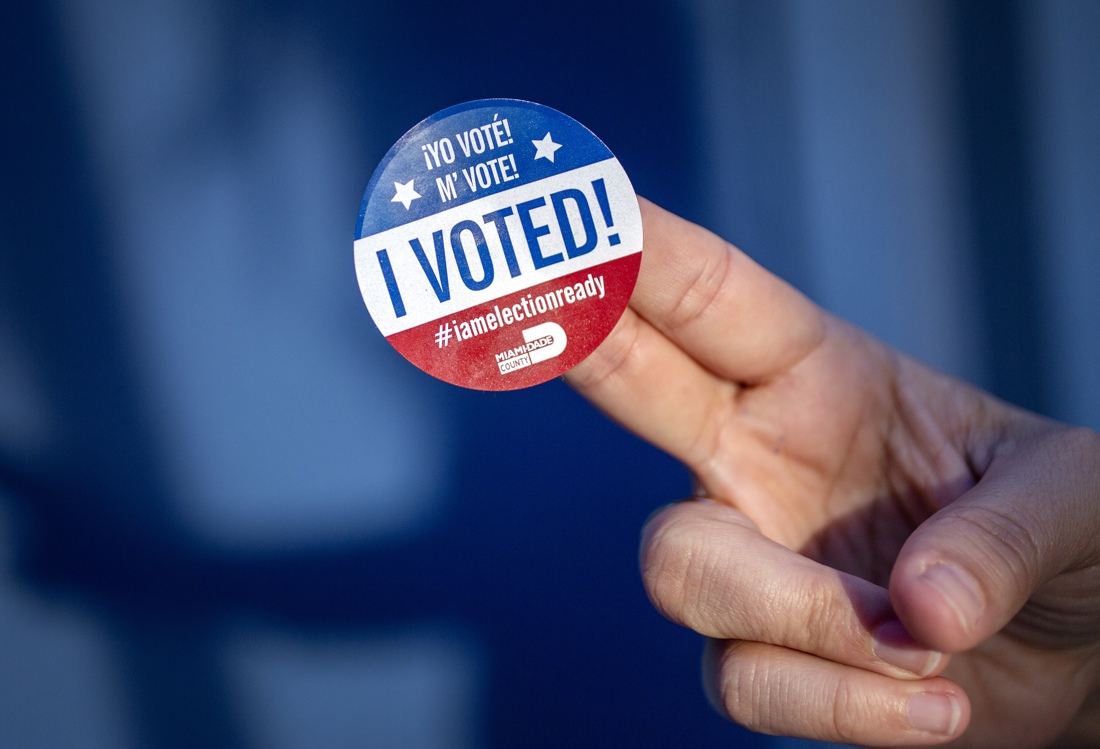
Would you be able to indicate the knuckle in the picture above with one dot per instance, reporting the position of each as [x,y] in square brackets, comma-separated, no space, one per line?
[686,569]
[745,684]
[817,629]
[847,717]
[670,553]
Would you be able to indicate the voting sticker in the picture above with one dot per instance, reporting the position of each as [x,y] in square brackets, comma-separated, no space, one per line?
[498,243]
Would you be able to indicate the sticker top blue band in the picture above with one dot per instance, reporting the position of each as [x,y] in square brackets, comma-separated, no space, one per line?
[471,151]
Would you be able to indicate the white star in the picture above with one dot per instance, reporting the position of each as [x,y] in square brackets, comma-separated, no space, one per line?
[544,149]
[405,194]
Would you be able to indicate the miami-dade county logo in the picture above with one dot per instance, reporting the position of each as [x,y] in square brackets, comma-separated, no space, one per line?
[542,342]
[498,244]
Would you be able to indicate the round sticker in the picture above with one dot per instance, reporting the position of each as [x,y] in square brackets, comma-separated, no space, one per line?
[498,244]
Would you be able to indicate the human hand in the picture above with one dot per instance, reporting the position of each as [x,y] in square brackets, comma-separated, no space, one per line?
[887,555]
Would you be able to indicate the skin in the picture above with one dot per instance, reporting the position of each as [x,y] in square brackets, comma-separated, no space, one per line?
[880,554]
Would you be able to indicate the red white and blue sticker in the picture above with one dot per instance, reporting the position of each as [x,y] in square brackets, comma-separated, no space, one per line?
[498,244]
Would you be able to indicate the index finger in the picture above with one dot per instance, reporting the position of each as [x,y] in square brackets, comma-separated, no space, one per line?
[717,304]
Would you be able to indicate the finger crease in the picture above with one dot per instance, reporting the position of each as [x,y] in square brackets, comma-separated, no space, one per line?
[700,293]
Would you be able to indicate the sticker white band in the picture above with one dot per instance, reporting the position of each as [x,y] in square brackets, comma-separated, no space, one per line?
[442,264]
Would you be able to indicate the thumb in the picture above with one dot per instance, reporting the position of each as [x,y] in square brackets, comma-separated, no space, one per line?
[1035,513]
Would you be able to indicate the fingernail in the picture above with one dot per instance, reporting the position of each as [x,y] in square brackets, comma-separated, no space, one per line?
[958,589]
[893,645]
[934,713]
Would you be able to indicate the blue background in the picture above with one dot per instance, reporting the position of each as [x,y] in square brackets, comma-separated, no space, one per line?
[233,517]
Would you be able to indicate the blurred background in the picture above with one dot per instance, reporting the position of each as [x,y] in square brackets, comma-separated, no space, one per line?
[231,516]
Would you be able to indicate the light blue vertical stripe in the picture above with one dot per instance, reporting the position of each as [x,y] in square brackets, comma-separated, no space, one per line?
[1062,40]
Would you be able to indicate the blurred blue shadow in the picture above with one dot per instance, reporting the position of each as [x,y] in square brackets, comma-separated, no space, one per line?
[233,517]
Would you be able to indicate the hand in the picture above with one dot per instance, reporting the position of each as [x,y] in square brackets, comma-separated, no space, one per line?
[885,555]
